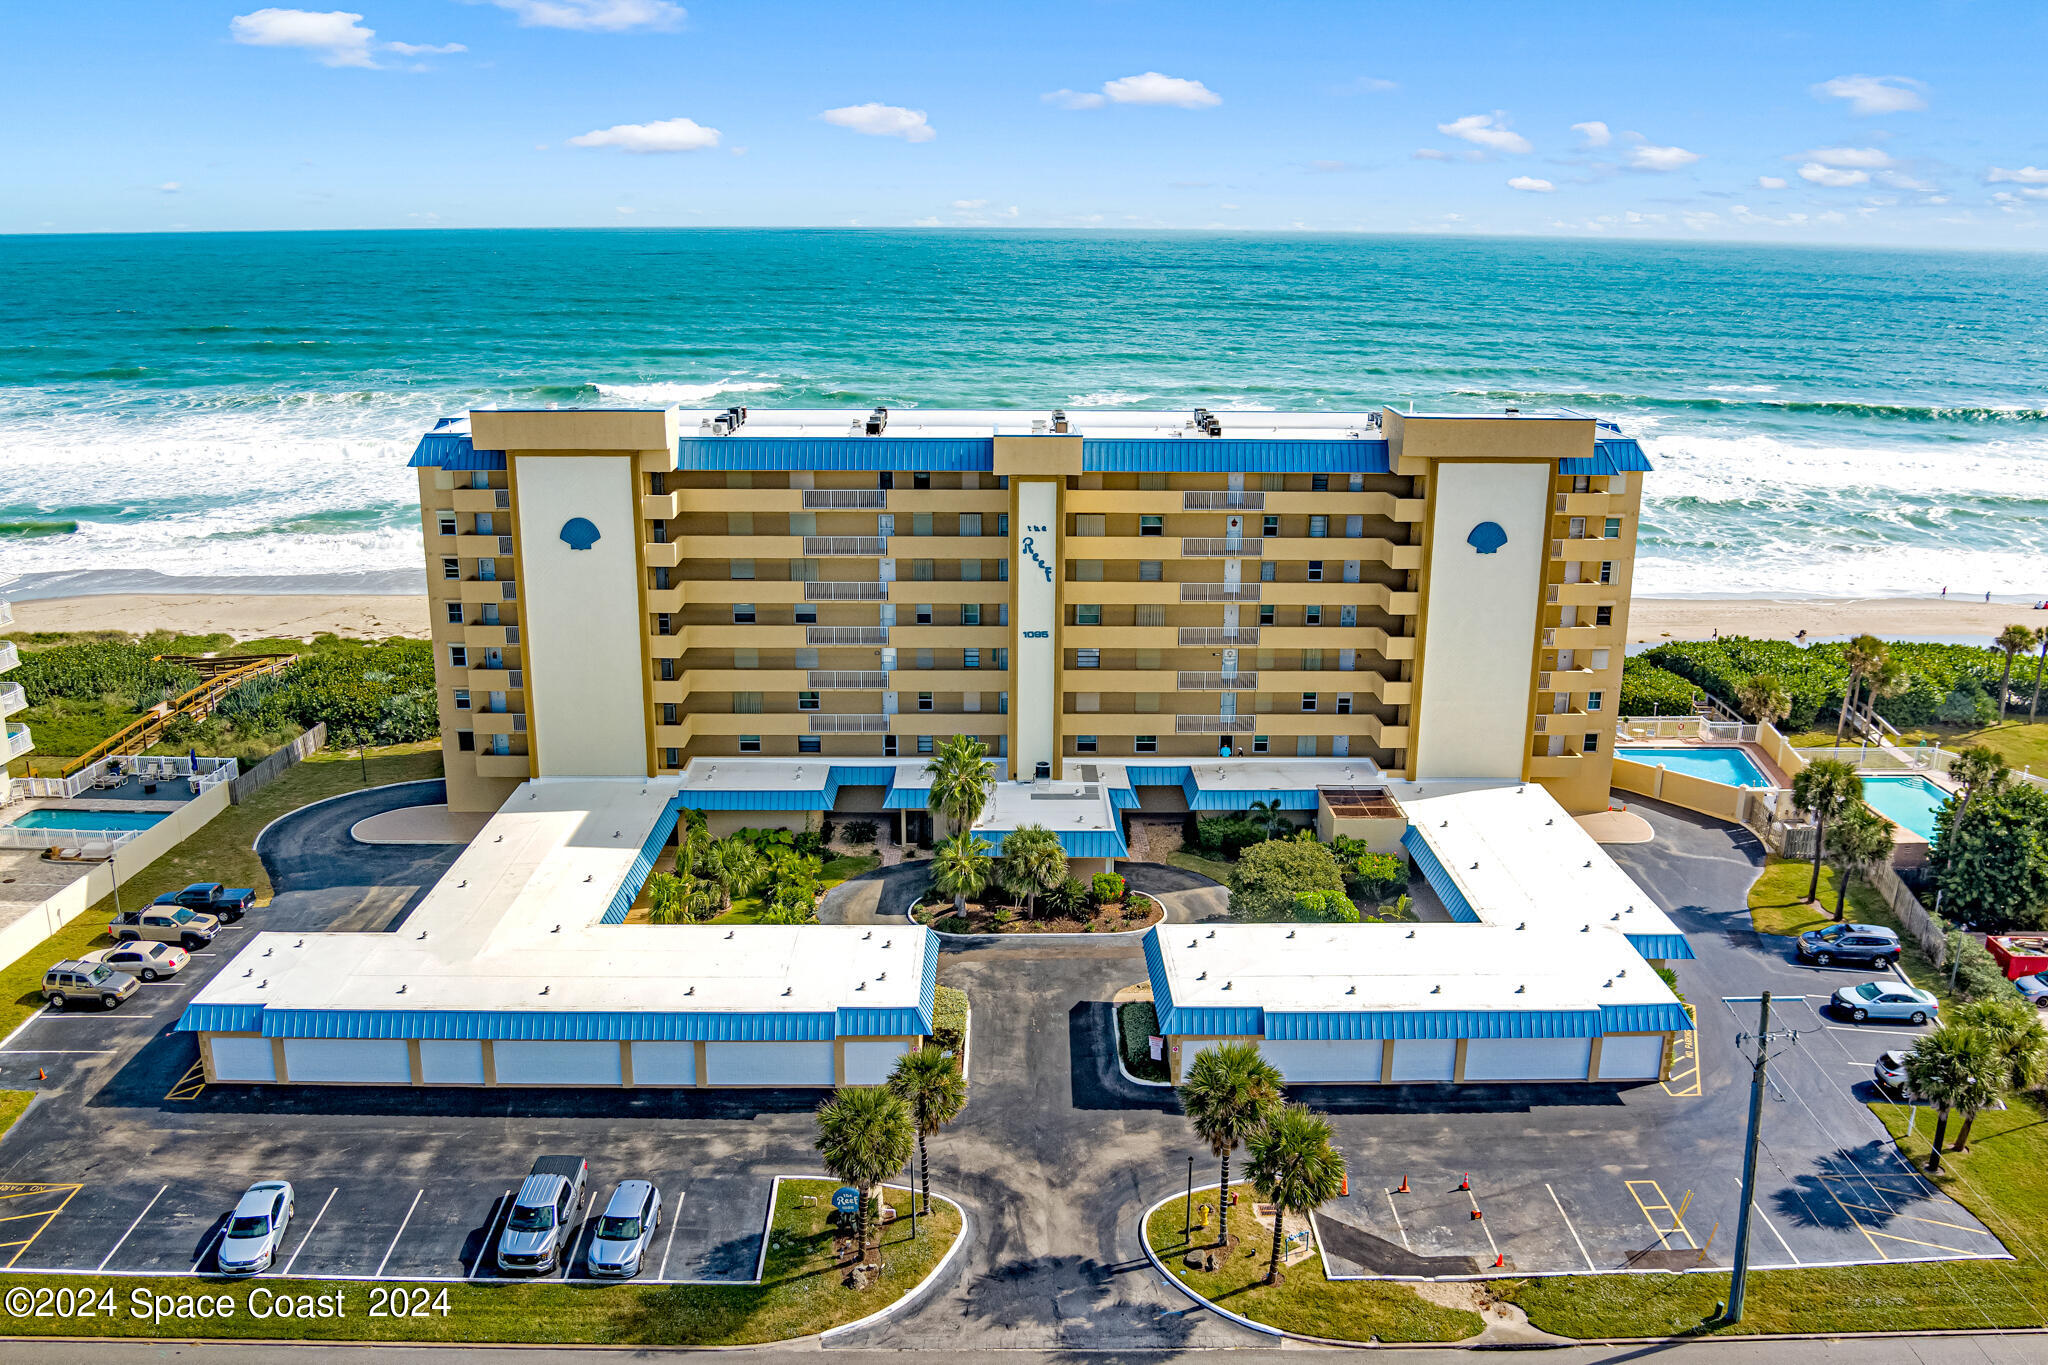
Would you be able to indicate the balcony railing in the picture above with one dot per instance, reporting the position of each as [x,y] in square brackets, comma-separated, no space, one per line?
[845,499]
[19,742]
[842,679]
[1215,725]
[1221,547]
[1189,681]
[12,698]
[1219,592]
[846,591]
[862,547]
[6,612]
[846,724]
[1214,500]
[9,657]
[1218,635]
[846,635]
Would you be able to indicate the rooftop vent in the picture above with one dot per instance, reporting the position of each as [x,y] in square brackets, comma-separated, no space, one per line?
[1059,421]
[877,420]
[1206,422]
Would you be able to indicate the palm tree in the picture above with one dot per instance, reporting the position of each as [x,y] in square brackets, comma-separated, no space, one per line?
[1269,814]
[2016,1041]
[1862,654]
[2012,640]
[1979,772]
[1890,679]
[1294,1167]
[961,867]
[693,838]
[737,868]
[2041,639]
[1858,838]
[1825,787]
[1764,697]
[864,1137]
[963,781]
[929,1081]
[667,898]
[1228,1095]
[1032,862]
[702,902]
[1948,1069]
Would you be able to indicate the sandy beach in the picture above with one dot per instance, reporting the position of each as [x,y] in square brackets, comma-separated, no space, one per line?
[1651,619]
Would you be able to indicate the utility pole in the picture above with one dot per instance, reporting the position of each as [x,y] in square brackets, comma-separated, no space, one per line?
[1187,1233]
[1738,1282]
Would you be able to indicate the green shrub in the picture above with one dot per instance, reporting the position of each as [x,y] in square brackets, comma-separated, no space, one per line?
[1326,907]
[1376,877]
[1105,888]
[1966,704]
[949,1018]
[1269,876]
[1978,975]
[375,694]
[1815,676]
[1070,897]
[1993,870]
[860,832]
[1647,690]
[90,669]
[1137,1023]
[1226,836]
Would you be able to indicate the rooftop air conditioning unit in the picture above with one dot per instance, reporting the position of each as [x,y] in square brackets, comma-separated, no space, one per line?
[1059,421]
[877,420]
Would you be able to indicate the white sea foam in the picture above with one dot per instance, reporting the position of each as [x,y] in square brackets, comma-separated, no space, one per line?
[683,395]
[1107,398]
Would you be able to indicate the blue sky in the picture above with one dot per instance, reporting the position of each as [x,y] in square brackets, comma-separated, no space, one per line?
[1884,123]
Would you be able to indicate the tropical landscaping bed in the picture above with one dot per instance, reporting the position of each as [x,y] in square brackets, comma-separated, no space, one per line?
[802,1291]
[1137,1023]
[1132,911]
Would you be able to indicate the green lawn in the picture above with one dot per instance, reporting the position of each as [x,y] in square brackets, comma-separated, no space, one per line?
[1304,1301]
[848,866]
[750,910]
[801,1293]
[221,851]
[1999,1180]
[2022,745]
[1214,870]
[13,1104]
[1777,905]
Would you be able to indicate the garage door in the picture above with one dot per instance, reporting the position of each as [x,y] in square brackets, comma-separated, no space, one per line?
[526,1062]
[1528,1059]
[452,1061]
[1425,1059]
[664,1063]
[768,1063]
[1632,1059]
[1190,1051]
[1315,1061]
[243,1059]
[868,1063]
[369,1061]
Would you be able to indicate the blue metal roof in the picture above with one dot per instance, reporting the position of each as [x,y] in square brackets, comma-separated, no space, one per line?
[1661,947]
[1198,799]
[1439,880]
[1078,843]
[907,798]
[900,1021]
[928,991]
[952,453]
[1235,1021]
[221,1019]
[1155,776]
[551,1025]
[1620,455]
[643,866]
[451,450]
[1227,455]
[1123,798]
[854,776]
[1434,1024]
[1669,1017]
[774,798]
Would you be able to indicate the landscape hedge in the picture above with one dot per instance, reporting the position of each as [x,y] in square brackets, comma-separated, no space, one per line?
[1815,676]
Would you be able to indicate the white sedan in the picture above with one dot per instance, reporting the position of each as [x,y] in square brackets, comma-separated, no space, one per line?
[1886,1000]
[256,1228]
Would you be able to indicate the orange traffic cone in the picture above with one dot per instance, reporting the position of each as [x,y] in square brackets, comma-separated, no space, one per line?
[1477,1215]
[1404,1186]
[42,1075]
[1466,1182]
[1500,1262]
[1345,1188]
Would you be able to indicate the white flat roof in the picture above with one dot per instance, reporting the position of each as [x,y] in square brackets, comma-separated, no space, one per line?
[1059,806]
[1242,424]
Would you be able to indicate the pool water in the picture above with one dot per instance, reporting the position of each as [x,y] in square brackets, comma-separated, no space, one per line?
[1909,802]
[49,818]
[1729,766]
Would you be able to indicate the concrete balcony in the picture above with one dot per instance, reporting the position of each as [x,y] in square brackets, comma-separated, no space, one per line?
[1333,636]
[483,547]
[782,500]
[846,635]
[1215,725]
[9,656]
[1587,549]
[778,681]
[481,679]
[1128,501]
[1222,547]
[1327,595]
[1194,681]
[483,499]
[1211,637]
[18,742]
[842,590]
[724,591]
[1573,722]
[984,591]
[498,722]
[727,635]
[1557,765]
[1338,549]
[1121,547]
[949,547]
[1222,500]
[946,724]
[1576,637]
[12,698]
[845,499]
[1588,504]
[1344,503]
[503,765]
[988,680]
[845,679]
[733,547]
[1219,592]
[500,636]
[909,635]
[1567,680]
[1581,594]
[843,723]
[490,590]
[855,547]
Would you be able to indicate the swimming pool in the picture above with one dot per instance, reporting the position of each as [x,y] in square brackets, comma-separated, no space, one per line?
[1909,801]
[1729,766]
[59,818]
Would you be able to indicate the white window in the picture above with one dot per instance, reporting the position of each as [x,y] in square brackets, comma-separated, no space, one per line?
[1592,701]
[1145,744]
[458,656]
[447,523]
[1262,744]
[451,568]
[1087,658]
[1308,701]
[462,699]
[750,744]
[970,523]
[743,613]
[1315,571]
[1084,744]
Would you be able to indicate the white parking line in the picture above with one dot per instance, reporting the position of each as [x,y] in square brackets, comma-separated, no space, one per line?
[1397,1221]
[200,1259]
[132,1226]
[400,1233]
[1772,1226]
[1886,1032]
[55,1051]
[501,1206]
[41,1013]
[675,1221]
[1569,1228]
[310,1229]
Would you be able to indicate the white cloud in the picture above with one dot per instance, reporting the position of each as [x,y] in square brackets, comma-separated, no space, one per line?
[1075,99]
[1648,156]
[335,38]
[1874,94]
[916,222]
[966,205]
[1531,184]
[1699,220]
[170,187]
[1853,158]
[1431,154]
[669,135]
[1377,85]
[883,120]
[1596,133]
[1487,130]
[2025,192]
[1153,88]
[1899,180]
[596,16]
[1831,176]
[426,49]
[2025,175]
[1770,182]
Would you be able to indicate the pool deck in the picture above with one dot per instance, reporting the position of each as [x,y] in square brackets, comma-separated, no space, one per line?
[1773,774]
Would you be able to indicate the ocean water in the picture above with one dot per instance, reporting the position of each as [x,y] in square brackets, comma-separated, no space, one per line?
[228,407]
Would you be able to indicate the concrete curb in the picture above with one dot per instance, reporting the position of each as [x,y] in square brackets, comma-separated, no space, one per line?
[256,844]
[960,1241]
[1117,1037]
[1120,935]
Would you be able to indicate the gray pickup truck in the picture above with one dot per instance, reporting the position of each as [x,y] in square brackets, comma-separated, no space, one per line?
[539,1232]
[165,924]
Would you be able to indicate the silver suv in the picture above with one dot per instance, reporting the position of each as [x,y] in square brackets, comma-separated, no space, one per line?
[72,979]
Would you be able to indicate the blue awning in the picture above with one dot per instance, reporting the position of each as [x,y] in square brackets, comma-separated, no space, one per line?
[1434,1024]
[1223,454]
[1123,798]
[551,1025]
[643,866]
[221,1019]
[907,798]
[1078,843]
[1237,1021]
[448,447]
[1669,1017]
[1661,947]
[1619,455]
[1198,799]
[1438,878]
[948,453]
[1155,775]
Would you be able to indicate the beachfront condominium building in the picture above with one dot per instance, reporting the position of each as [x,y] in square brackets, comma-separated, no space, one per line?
[623,592]
[15,740]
